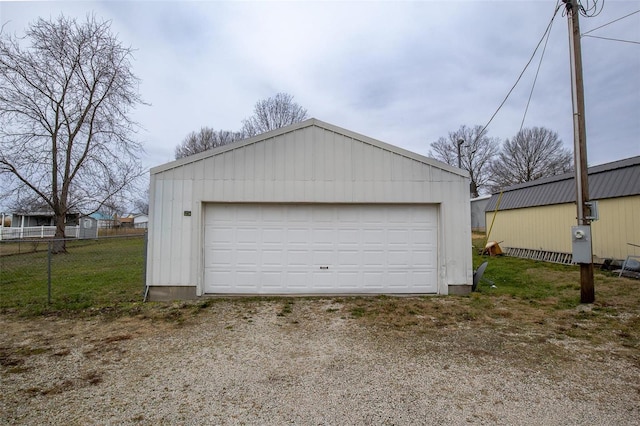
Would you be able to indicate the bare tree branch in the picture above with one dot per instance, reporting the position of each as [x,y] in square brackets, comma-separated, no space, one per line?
[532,154]
[476,152]
[204,140]
[273,113]
[65,131]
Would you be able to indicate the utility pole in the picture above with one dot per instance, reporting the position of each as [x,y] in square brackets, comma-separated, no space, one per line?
[587,292]
[460,142]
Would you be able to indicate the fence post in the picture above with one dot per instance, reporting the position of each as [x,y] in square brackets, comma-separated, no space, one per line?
[49,257]
[144,265]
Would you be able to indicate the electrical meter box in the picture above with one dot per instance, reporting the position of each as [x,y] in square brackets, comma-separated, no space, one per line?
[581,244]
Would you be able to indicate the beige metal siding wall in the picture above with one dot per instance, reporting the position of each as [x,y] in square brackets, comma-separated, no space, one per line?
[310,164]
[619,224]
[549,227]
[540,228]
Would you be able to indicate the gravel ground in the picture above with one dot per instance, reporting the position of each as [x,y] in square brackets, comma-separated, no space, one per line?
[311,364]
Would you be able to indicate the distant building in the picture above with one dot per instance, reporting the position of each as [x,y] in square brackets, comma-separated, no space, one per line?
[534,219]
[105,221]
[141,221]
[478,206]
[42,224]
[43,218]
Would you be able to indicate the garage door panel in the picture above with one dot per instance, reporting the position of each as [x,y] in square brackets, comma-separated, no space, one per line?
[297,257]
[272,257]
[272,235]
[422,236]
[247,235]
[266,249]
[325,236]
[323,280]
[398,258]
[348,236]
[221,258]
[297,279]
[271,279]
[247,278]
[373,237]
[374,280]
[373,258]
[222,235]
[323,257]
[348,258]
[297,235]
[246,258]
[422,259]
[398,279]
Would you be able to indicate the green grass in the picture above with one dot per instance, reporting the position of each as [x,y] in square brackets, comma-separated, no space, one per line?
[528,279]
[92,274]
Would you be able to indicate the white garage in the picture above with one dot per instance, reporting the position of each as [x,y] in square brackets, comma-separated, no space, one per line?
[308,209]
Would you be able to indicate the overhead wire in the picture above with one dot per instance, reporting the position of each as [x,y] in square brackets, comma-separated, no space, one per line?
[609,23]
[613,39]
[535,79]
[546,32]
[591,10]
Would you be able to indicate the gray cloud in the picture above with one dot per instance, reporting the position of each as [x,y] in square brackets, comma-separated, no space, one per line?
[403,72]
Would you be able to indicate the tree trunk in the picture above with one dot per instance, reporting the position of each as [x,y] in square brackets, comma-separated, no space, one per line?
[473,189]
[59,244]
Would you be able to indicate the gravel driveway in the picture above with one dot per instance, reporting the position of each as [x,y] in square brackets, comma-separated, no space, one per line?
[305,362]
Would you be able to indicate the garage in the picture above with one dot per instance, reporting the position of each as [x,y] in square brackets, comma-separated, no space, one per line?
[311,209]
[285,249]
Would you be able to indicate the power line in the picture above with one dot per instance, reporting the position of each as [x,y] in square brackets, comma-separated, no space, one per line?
[609,23]
[535,79]
[591,8]
[524,69]
[613,39]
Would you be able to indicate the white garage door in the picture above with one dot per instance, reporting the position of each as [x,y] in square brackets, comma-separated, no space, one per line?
[284,249]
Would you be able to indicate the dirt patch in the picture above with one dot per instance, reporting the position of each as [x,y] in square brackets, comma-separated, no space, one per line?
[321,361]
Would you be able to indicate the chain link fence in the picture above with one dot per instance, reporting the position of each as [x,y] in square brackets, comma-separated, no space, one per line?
[98,272]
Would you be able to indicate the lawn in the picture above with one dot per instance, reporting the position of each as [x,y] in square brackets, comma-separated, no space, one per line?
[92,274]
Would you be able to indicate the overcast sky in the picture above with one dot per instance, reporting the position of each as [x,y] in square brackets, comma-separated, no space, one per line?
[405,72]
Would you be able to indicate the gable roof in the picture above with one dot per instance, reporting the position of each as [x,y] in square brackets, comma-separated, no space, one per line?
[611,180]
[312,122]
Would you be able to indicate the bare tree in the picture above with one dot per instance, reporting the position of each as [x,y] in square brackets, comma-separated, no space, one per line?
[141,204]
[532,154]
[273,113]
[66,90]
[204,140]
[27,203]
[476,152]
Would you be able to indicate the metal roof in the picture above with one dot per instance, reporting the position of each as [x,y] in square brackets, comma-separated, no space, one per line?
[617,179]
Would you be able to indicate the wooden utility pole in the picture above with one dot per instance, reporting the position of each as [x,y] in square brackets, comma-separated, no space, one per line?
[587,292]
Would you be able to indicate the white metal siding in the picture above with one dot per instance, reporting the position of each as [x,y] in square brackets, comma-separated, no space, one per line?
[312,162]
[279,249]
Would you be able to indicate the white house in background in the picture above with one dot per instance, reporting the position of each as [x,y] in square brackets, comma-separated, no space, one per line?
[140,221]
[31,225]
[308,209]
